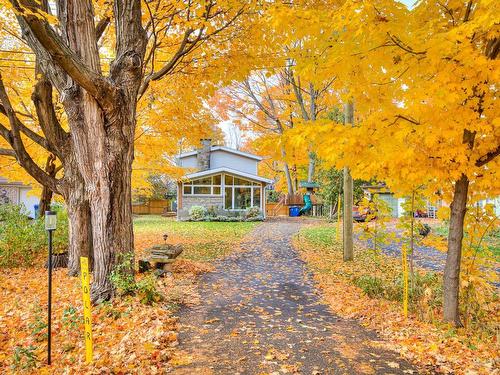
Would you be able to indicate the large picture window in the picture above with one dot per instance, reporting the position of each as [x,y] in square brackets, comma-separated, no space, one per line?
[203,186]
[241,194]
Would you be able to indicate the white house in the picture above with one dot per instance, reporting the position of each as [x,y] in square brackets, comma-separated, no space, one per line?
[17,193]
[396,204]
[220,178]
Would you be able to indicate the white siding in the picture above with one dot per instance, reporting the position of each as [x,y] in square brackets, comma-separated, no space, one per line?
[188,162]
[401,210]
[221,158]
[28,200]
[494,201]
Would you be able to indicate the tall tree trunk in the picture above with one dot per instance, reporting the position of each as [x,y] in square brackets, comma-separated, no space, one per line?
[112,230]
[348,194]
[80,232]
[45,201]
[289,182]
[295,178]
[286,169]
[348,225]
[311,167]
[412,238]
[451,283]
[103,133]
[46,196]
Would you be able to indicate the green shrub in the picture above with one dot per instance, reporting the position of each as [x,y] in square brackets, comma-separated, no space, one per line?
[60,237]
[22,239]
[426,288]
[197,212]
[125,284]
[147,290]
[273,196]
[122,276]
[253,213]
[212,211]
[228,219]
[372,286]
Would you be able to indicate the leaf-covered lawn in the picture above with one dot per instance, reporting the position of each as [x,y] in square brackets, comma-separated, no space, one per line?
[202,241]
[129,336]
[369,289]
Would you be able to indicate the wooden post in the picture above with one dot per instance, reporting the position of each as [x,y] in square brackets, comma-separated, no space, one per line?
[338,217]
[347,224]
[348,194]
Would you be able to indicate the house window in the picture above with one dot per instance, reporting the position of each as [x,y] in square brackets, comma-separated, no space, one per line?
[228,198]
[201,190]
[242,198]
[256,197]
[203,186]
[240,194]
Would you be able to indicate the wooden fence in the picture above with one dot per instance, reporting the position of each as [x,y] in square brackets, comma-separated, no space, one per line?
[282,207]
[276,209]
[153,207]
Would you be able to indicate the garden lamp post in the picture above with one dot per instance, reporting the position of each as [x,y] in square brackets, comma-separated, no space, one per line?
[50,226]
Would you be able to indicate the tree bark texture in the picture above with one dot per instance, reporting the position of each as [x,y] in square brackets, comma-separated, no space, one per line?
[97,149]
[80,230]
[288,175]
[311,167]
[46,195]
[348,225]
[348,194]
[451,284]
[97,152]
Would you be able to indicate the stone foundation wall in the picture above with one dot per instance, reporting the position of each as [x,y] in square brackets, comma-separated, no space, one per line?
[189,201]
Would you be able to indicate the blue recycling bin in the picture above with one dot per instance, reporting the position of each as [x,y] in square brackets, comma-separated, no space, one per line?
[294,211]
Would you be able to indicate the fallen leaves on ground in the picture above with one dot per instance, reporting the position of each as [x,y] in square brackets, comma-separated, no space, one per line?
[433,345]
[126,333]
[128,336]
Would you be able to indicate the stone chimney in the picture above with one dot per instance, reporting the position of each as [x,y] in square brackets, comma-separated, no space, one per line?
[203,156]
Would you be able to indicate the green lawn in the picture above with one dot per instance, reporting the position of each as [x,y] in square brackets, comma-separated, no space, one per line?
[202,241]
[321,235]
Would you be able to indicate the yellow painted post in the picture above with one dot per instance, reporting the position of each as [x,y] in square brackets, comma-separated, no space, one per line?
[87,314]
[405,281]
[338,220]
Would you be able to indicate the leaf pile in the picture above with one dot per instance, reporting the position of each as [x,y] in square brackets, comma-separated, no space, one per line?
[432,344]
[128,335]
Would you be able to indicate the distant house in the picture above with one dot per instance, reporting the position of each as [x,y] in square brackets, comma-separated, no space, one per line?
[17,193]
[220,178]
[394,203]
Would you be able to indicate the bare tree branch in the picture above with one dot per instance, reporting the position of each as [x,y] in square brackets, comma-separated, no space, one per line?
[93,82]
[37,138]
[397,42]
[101,27]
[7,152]
[485,159]
[187,45]
[47,118]
[14,138]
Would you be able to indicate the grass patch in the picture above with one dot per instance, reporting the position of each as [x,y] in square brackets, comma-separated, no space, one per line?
[202,241]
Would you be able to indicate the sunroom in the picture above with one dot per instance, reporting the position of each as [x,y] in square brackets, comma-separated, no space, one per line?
[227,191]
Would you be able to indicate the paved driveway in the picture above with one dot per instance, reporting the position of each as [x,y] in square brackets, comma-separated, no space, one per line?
[261,314]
